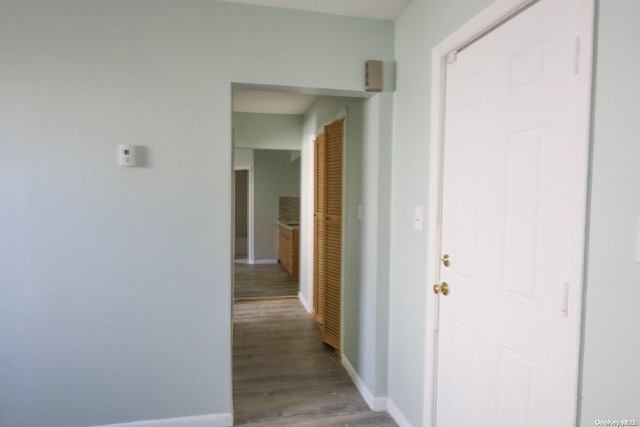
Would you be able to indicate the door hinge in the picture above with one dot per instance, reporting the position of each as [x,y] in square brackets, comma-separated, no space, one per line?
[564,301]
[452,57]
[576,56]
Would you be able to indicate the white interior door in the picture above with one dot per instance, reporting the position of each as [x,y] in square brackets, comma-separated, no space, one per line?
[513,216]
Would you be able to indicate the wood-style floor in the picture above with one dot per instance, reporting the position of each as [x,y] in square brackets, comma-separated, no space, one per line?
[263,281]
[283,375]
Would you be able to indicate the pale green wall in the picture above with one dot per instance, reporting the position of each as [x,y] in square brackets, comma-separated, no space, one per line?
[274,175]
[243,158]
[365,292]
[420,28]
[368,345]
[612,326]
[257,132]
[115,298]
[322,112]
[611,338]
[267,131]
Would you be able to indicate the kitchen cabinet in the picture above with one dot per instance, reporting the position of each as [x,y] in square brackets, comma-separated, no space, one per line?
[288,248]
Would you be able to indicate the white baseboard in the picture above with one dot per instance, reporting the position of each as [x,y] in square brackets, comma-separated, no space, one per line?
[304,302]
[375,403]
[396,414]
[265,261]
[213,420]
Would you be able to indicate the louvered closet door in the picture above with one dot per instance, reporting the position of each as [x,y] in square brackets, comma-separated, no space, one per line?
[333,240]
[319,198]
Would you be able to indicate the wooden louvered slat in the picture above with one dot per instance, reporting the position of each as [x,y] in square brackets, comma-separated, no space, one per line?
[333,135]
[333,234]
[319,223]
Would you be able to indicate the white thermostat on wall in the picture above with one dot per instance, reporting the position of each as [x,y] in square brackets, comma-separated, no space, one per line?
[126,155]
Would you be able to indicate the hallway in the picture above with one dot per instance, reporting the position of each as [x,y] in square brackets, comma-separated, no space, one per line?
[263,281]
[284,375]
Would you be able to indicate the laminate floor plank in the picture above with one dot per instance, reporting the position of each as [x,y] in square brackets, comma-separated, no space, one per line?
[283,375]
[263,281]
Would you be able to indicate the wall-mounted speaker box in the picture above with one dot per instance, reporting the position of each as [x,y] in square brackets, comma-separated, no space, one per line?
[373,76]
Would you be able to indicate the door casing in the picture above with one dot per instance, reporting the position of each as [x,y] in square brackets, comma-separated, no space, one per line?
[249,210]
[488,19]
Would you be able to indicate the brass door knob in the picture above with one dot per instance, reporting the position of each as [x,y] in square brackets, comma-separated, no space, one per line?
[441,289]
[446,260]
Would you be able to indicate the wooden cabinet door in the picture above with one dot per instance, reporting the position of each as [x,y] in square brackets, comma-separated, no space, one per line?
[295,252]
[281,245]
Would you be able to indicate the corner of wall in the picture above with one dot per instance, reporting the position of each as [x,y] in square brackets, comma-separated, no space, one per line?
[377,404]
[397,415]
[304,302]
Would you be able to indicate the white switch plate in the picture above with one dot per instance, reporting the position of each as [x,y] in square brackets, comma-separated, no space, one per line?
[418,218]
[126,155]
[360,212]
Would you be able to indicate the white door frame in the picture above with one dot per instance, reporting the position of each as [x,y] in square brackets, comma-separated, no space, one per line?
[488,19]
[249,170]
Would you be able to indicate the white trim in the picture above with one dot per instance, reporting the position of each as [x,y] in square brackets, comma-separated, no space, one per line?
[305,267]
[250,236]
[264,261]
[304,302]
[397,416]
[250,219]
[485,20]
[342,115]
[377,404]
[213,420]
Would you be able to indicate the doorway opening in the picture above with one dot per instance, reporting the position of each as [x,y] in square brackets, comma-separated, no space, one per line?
[268,133]
[271,271]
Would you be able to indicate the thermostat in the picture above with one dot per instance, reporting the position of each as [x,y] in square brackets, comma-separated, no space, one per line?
[126,155]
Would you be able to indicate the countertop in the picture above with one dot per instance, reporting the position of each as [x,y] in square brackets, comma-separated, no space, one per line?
[290,225]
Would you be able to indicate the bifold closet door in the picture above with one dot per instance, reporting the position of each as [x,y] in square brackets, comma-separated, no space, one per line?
[319,197]
[333,136]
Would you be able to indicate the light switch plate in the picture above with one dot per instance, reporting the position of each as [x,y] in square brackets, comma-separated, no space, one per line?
[418,218]
[360,212]
[126,155]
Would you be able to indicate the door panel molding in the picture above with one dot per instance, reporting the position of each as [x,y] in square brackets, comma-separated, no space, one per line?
[497,13]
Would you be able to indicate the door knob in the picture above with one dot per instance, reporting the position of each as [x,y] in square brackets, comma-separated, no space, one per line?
[446,260]
[441,289]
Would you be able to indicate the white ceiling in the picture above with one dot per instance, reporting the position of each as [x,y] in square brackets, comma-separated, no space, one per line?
[253,101]
[375,9]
